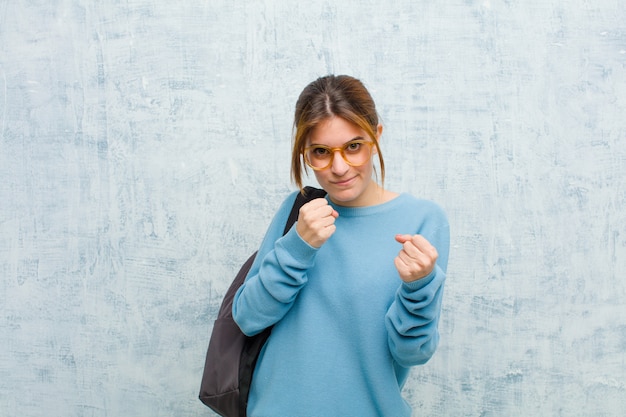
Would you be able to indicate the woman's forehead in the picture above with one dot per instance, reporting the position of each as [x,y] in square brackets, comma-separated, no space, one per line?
[335,131]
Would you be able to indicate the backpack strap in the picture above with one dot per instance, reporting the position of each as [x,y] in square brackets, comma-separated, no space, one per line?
[307,194]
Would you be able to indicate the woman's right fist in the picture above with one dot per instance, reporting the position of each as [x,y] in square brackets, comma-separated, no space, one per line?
[316,222]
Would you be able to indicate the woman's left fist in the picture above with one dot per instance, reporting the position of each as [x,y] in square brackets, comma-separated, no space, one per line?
[417,258]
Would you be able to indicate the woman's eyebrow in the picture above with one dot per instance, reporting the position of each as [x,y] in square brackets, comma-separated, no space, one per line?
[346,142]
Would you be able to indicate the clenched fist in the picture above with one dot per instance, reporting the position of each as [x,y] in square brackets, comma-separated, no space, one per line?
[416,259]
[316,222]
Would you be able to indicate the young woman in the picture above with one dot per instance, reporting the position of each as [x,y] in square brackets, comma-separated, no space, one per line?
[354,289]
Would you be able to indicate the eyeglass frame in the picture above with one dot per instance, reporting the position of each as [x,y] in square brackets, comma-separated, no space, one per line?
[341,150]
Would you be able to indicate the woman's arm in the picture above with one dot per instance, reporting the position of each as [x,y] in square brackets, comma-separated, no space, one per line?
[412,319]
[276,276]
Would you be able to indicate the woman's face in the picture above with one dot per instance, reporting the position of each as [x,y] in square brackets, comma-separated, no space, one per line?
[346,185]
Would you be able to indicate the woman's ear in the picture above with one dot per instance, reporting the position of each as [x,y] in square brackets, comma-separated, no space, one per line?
[379,134]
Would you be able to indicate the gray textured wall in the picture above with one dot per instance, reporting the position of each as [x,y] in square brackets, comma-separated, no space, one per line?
[144,147]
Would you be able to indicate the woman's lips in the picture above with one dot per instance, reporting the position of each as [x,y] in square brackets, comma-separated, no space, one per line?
[344,183]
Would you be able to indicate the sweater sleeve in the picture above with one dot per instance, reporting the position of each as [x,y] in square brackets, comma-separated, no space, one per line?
[275,278]
[413,318]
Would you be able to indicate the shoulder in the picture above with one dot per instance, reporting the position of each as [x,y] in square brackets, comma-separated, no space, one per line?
[290,199]
[428,216]
[281,215]
[288,210]
[426,207]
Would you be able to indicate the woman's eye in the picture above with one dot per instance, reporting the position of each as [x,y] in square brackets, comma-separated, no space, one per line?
[319,151]
[354,146]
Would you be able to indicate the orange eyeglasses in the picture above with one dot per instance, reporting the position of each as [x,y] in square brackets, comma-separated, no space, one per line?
[356,153]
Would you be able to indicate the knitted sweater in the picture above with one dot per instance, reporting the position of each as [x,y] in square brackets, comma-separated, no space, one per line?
[347,329]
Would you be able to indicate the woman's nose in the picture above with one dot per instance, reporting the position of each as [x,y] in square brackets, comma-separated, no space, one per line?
[339,165]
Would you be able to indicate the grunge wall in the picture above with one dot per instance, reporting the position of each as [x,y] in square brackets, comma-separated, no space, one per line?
[144,146]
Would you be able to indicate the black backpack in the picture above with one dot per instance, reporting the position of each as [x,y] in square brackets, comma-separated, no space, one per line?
[232,356]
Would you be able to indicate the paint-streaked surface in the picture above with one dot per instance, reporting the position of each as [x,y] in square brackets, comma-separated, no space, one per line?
[144,147]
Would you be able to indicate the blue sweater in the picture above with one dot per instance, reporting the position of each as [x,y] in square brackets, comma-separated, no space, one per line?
[347,329]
